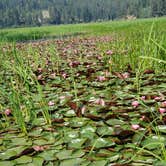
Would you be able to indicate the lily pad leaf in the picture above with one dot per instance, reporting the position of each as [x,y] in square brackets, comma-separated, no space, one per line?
[48,155]
[113,122]
[153,142]
[78,122]
[40,142]
[38,161]
[77,153]
[114,158]
[103,142]
[70,135]
[24,159]
[20,141]
[65,154]
[72,162]
[88,132]
[8,154]
[105,130]
[77,143]
[99,163]
[6,163]
[161,128]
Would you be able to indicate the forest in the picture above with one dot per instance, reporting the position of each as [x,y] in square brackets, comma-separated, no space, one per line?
[20,13]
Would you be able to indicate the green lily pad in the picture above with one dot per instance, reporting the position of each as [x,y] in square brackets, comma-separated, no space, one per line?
[1,141]
[159,163]
[36,132]
[48,155]
[40,142]
[72,162]
[161,128]
[50,164]
[88,132]
[105,130]
[70,113]
[77,154]
[77,143]
[137,138]
[85,163]
[20,141]
[65,154]
[78,122]
[8,154]
[114,158]
[113,122]
[6,163]
[70,135]
[153,142]
[38,161]
[99,163]
[24,160]
[103,142]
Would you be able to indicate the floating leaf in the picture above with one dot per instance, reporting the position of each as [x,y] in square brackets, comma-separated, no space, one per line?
[20,141]
[78,122]
[40,142]
[114,158]
[70,135]
[48,155]
[103,142]
[6,163]
[77,154]
[77,143]
[8,154]
[65,154]
[24,160]
[37,161]
[99,163]
[72,162]
[114,122]
[161,128]
[88,132]
[154,142]
[105,130]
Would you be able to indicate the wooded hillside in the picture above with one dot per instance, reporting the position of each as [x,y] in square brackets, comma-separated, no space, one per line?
[38,12]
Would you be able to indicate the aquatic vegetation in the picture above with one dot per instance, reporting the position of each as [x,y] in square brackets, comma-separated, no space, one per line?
[84,100]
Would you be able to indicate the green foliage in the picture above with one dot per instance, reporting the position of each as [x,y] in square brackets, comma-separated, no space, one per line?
[67,101]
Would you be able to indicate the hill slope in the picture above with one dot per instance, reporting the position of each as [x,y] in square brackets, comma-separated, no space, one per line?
[38,12]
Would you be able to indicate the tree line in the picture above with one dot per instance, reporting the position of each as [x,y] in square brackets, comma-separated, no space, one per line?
[38,12]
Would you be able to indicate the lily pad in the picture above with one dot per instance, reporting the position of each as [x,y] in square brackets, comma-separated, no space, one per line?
[11,152]
[105,130]
[77,143]
[72,162]
[113,122]
[65,154]
[24,160]
[99,163]
[78,122]
[103,142]
[48,155]
[6,163]
[88,132]
[38,161]
[153,142]
[161,128]
[70,135]
[40,142]
[20,141]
